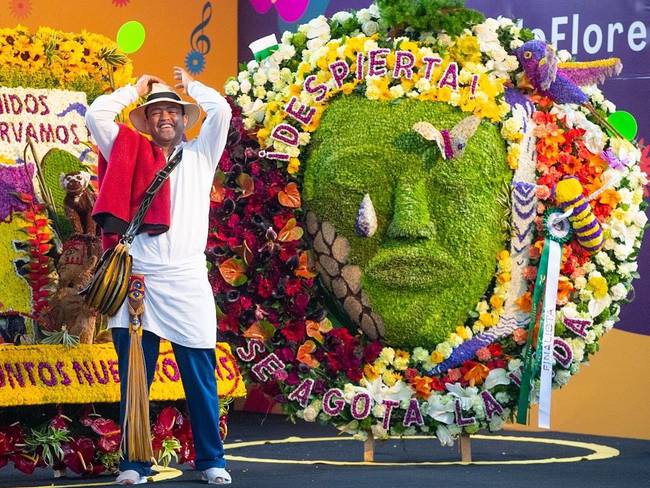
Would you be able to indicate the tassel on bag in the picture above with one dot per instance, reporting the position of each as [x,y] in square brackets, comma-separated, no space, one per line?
[136,416]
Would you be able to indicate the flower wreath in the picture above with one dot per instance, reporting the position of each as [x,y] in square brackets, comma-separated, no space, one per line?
[274,308]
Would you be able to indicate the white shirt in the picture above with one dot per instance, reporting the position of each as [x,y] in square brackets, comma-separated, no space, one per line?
[179,305]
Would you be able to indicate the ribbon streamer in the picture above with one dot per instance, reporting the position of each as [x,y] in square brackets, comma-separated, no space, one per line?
[558,231]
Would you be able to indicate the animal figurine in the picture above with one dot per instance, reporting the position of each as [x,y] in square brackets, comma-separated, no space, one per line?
[568,195]
[451,142]
[78,202]
[561,82]
[75,269]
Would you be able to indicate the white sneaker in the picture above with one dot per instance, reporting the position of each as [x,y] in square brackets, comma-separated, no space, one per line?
[130,477]
[216,476]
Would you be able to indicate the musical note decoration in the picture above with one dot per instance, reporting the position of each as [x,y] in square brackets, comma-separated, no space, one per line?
[199,42]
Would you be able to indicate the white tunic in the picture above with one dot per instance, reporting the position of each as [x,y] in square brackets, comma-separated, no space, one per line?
[179,305]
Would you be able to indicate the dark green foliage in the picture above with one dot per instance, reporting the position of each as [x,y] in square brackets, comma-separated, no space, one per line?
[450,16]
[439,222]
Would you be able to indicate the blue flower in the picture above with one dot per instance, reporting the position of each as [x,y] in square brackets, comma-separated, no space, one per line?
[194,62]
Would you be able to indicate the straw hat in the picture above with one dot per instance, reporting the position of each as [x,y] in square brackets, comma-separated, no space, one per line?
[163,93]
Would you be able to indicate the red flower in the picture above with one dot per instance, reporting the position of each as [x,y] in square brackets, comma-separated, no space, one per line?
[372,351]
[294,332]
[59,421]
[355,374]
[264,288]
[9,437]
[24,463]
[183,433]
[410,373]
[437,384]
[78,455]
[495,349]
[292,287]
[300,303]
[166,421]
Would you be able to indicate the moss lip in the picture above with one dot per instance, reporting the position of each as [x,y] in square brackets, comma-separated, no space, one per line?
[412,264]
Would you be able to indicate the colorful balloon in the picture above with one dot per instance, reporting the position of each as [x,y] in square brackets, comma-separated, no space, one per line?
[130,36]
[625,123]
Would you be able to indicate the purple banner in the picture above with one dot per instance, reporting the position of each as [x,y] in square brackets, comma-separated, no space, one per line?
[588,29]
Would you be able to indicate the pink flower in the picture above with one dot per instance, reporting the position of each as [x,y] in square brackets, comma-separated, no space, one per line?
[483,354]
[543,192]
[454,375]
[520,335]
[280,374]
[530,272]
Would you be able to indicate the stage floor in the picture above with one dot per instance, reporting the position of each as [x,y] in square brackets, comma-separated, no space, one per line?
[269,451]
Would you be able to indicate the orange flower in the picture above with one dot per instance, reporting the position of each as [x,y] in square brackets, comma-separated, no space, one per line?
[246,184]
[564,289]
[610,197]
[290,232]
[233,271]
[290,196]
[317,329]
[218,192]
[370,373]
[259,331]
[570,164]
[477,375]
[496,301]
[422,385]
[303,270]
[525,302]
[304,354]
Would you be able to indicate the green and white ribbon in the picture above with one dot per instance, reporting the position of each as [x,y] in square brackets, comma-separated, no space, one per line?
[264,47]
[558,231]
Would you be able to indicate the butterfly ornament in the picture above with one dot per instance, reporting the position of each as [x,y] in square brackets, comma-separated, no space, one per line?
[452,142]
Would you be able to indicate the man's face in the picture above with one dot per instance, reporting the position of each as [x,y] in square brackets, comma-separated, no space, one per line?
[439,221]
[166,122]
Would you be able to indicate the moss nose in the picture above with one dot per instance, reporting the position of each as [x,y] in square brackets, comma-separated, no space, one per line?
[411,219]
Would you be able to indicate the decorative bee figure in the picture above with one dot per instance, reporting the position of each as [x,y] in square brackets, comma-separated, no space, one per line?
[569,196]
[451,142]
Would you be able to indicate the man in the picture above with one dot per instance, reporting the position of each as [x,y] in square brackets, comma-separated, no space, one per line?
[169,250]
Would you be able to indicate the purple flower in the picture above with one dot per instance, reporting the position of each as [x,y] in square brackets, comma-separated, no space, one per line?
[14,179]
[613,160]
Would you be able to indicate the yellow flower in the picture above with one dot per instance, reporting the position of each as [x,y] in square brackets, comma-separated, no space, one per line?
[514,153]
[487,319]
[437,357]
[294,166]
[463,332]
[496,301]
[511,130]
[390,377]
[401,361]
[370,372]
[466,50]
[598,285]
[380,366]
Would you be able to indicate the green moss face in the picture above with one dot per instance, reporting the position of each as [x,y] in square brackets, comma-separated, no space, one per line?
[439,222]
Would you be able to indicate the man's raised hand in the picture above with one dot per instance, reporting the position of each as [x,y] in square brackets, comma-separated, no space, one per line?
[143,85]
[182,77]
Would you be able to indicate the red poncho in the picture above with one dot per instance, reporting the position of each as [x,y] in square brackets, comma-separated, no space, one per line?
[123,179]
